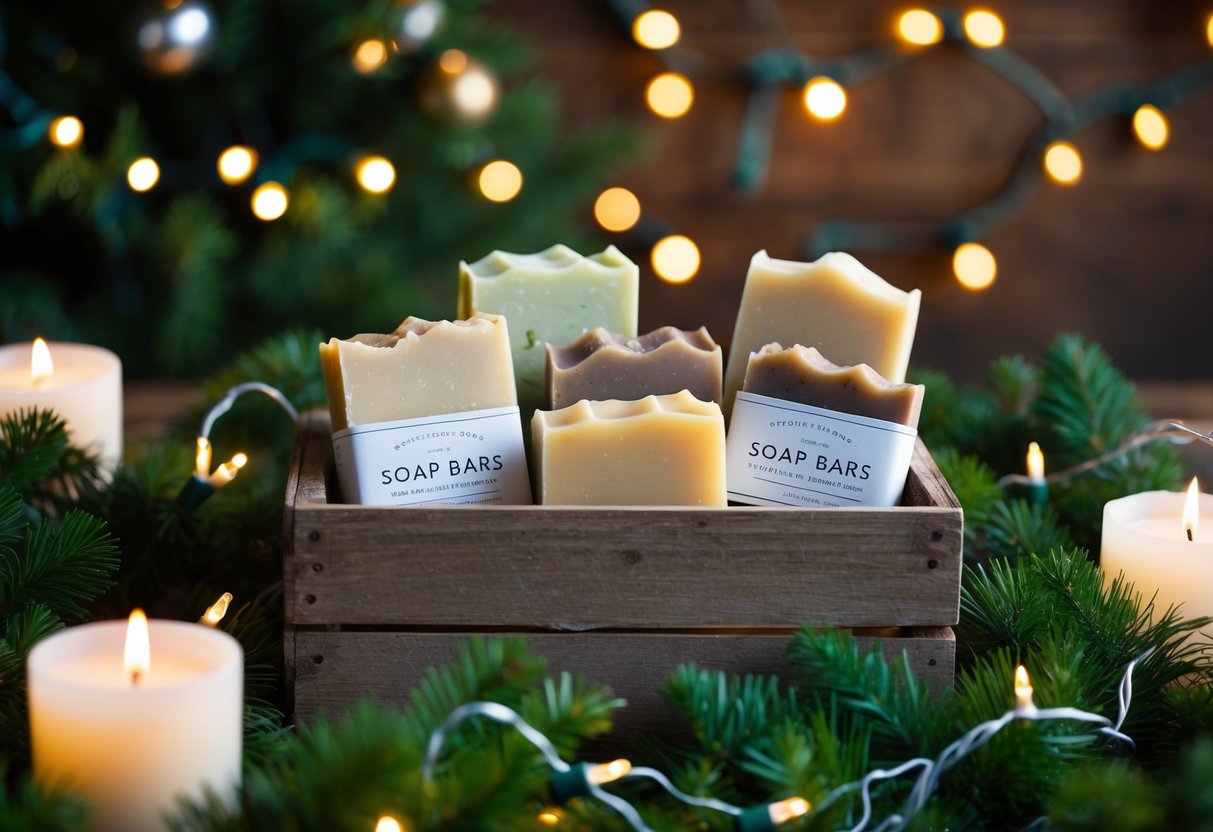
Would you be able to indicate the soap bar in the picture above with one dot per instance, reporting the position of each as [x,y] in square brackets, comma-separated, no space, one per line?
[554,296]
[803,375]
[834,304]
[603,365]
[424,368]
[659,450]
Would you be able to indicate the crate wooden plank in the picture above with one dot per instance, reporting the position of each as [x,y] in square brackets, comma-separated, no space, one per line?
[335,669]
[578,568]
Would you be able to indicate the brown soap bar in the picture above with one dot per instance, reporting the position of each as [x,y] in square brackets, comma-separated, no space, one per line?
[602,365]
[801,374]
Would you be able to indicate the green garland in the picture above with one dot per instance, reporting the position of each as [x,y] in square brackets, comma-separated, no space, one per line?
[839,712]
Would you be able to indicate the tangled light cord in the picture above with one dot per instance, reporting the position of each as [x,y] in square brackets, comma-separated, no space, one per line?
[586,779]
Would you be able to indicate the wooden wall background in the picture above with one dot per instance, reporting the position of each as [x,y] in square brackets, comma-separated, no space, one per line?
[1124,257]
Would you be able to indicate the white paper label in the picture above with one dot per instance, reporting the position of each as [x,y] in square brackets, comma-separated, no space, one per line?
[782,453]
[471,458]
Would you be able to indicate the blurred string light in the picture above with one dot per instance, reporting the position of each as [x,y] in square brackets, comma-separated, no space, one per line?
[375,174]
[66,131]
[270,201]
[369,56]
[499,180]
[675,258]
[236,164]
[656,29]
[143,174]
[617,209]
[980,34]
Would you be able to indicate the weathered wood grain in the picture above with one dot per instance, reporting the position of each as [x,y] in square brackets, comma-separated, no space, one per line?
[576,568]
[334,670]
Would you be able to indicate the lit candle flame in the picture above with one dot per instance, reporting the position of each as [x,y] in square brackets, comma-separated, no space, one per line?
[1036,463]
[226,472]
[137,657]
[41,367]
[608,772]
[215,612]
[1192,510]
[1023,690]
[790,809]
[202,457]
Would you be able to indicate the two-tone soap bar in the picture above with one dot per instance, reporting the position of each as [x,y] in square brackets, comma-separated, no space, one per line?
[848,312]
[802,374]
[554,296]
[659,450]
[427,414]
[605,365]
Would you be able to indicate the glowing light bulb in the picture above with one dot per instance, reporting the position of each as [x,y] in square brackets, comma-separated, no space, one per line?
[1035,463]
[670,95]
[202,457]
[215,612]
[387,823]
[137,653]
[919,27]
[375,174]
[1192,510]
[1023,690]
[226,472]
[608,772]
[369,56]
[500,181]
[790,809]
[1151,127]
[656,29]
[41,367]
[974,266]
[550,817]
[66,131]
[824,98]
[984,28]
[1063,163]
[1209,30]
[270,201]
[617,209]
[143,174]
[676,259]
[237,164]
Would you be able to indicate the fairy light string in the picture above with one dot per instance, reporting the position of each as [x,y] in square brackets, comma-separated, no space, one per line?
[979,34]
[583,779]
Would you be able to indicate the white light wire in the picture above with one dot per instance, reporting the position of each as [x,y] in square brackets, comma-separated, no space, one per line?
[229,398]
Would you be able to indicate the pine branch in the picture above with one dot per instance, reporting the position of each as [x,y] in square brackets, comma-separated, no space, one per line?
[31,444]
[63,566]
[1015,528]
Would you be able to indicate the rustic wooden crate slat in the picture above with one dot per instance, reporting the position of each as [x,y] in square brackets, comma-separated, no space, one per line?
[334,670]
[574,568]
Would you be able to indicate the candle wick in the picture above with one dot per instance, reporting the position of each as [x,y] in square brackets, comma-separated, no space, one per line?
[135,677]
[1190,538]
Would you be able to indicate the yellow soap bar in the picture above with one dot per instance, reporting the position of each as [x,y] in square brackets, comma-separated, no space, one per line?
[835,304]
[424,368]
[658,451]
[554,296]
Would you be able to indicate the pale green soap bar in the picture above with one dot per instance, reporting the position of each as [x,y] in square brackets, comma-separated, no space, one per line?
[554,296]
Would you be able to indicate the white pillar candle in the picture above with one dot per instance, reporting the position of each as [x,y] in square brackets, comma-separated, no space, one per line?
[133,748]
[1144,537]
[84,388]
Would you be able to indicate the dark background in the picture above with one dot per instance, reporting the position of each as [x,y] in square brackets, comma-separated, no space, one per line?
[1123,258]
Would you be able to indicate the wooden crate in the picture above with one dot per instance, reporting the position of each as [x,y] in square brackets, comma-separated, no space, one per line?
[624,594]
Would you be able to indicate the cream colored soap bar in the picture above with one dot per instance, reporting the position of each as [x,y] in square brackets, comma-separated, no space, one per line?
[554,296]
[424,368]
[834,304]
[800,374]
[658,451]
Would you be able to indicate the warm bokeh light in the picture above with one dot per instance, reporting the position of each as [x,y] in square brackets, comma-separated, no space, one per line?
[237,164]
[824,98]
[500,181]
[375,174]
[608,772]
[137,653]
[1023,689]
[656,29]
[974,266]
[41,367]
[143,174]
[1209,30]
[1035,463]
[675,258]
[617,209]
[1151,127]
[453,61]
[474,92]
[1063,163]
[387,823]
[1191,518]
[202,457]
[270,201]
[984,28]
[670,95]
[919,27]
[790,809]
[66,131]
[369,56]
[550,817]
